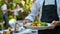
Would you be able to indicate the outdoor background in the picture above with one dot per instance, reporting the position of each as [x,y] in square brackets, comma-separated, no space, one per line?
[25,4]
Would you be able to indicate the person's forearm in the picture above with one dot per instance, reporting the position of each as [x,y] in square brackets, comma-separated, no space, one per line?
[58,23]
[10,10]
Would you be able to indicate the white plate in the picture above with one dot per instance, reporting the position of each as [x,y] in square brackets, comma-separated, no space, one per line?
[37,28]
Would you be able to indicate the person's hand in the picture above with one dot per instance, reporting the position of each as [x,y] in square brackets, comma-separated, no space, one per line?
[22,11]
[54,23]
[26,21]
[9,10]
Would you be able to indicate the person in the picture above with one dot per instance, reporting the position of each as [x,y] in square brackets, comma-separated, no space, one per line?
[49,12]
[16,11]
[5,12]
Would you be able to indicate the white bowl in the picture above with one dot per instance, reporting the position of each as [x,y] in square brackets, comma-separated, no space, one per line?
[37,28]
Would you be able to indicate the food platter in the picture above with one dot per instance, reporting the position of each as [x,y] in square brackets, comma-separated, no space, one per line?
[27,25]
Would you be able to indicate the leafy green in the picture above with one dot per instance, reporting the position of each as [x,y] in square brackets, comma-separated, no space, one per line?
[44,24]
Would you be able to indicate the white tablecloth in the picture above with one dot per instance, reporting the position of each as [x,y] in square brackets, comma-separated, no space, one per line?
[26,31]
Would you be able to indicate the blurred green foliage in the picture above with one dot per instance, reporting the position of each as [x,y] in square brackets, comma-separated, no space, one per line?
[1,17]
[25,4]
